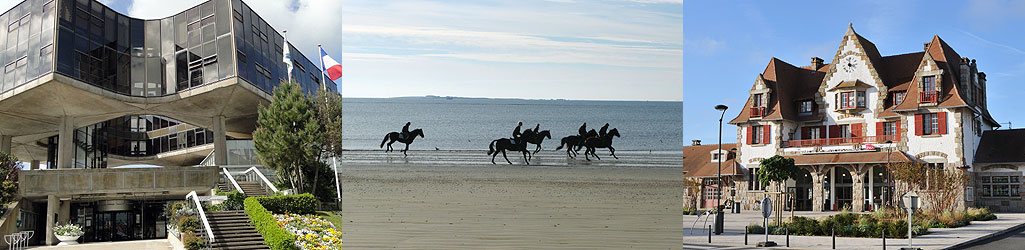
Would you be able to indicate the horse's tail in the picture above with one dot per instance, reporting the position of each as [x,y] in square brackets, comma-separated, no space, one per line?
[491,147]
[383,141]
[560,144]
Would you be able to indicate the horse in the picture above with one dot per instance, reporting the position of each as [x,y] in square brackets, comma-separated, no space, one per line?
[503,144]
[394,136]
[574,141]
[537,139]
[601,142]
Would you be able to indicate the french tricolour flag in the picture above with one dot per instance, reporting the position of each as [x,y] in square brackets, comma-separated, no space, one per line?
[331,67]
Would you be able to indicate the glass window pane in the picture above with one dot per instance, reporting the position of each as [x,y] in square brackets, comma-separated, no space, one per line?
[225,57]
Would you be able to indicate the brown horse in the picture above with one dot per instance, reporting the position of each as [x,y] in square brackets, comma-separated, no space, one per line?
[501,145]
[574,143]
[600,142]
[394,136]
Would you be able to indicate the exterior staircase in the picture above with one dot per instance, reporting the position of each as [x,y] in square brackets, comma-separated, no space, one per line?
[249,187]
[232,231]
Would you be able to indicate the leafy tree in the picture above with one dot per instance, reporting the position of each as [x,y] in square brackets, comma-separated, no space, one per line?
[329,115]
[288,136]
[940,188]
[9,173]
[777,169]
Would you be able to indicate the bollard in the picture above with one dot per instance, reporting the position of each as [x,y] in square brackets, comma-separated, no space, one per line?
[709,233]
[746,228]
[884,238]
[787,229]
[833,233]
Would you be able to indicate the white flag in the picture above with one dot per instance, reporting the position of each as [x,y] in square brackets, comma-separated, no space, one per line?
[287,58]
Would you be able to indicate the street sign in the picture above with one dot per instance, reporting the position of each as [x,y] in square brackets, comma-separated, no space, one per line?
[910,201]
[766,207]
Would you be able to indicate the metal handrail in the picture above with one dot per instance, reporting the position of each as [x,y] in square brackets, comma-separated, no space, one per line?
[232,179]
[202,215]
[264,178]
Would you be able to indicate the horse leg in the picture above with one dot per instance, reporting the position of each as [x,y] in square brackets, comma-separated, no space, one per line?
[525,159]
[493,157]
[594,153]
[404,151]
[586,155]
[389,147]
[613,150]
[504,156]
[538,149]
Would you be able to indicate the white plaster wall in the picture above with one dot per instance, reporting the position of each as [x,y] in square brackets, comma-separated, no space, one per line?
[749,152]
[945,143]
[861,73]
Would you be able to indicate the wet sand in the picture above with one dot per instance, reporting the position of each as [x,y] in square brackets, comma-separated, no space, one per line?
[459,200]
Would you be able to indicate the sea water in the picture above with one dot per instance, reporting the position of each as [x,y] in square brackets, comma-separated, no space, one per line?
[472,123]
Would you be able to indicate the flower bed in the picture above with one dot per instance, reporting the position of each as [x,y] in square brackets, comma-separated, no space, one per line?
[311,232]
[873,225]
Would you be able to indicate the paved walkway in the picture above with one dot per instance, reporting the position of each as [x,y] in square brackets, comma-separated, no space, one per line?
[938,238]
[157,244]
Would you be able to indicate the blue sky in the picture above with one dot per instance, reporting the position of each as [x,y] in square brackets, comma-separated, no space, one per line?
[728,43]
[536,49]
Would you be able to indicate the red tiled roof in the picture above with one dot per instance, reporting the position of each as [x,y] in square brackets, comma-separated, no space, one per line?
[697,161]
[790,84]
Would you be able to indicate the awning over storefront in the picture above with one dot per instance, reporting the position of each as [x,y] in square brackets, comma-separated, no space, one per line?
[850,158]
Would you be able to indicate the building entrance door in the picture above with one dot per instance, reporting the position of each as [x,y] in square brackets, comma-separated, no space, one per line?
[114,226]
[844,188]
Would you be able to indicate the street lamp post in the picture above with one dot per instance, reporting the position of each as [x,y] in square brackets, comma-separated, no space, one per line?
[719,207]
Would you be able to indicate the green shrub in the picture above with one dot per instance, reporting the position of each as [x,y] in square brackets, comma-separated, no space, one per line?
[980,214]
[804,226]
[188,224]
[235,200]
[755,229]
[192,242]
[274,236]
[290,204]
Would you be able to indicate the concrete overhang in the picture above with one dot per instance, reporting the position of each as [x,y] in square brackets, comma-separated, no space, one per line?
[33,111]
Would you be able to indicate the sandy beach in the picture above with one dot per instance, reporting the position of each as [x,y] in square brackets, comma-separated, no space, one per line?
[459,200]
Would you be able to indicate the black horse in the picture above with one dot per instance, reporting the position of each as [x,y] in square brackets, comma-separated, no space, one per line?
[394,136]
[501,145]
[601,142]
[537,138]
[575,142]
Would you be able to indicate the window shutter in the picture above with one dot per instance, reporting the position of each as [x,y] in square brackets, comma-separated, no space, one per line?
[750,135]
[941,120]
[836,105]
[822,132]
[918,124]
[880,130]
[856,130]
[766,136]
[834,131]
[896,130]
[805,133]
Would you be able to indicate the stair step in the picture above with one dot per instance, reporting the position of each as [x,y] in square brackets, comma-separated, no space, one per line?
[254,247]
[247,241]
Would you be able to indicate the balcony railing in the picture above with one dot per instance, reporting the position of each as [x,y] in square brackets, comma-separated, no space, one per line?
[841,141]
[757,112]
[929,97]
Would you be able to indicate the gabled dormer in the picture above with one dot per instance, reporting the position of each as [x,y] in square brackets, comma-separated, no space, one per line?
[851,76]
[759,98]
[929,79]
[721,155]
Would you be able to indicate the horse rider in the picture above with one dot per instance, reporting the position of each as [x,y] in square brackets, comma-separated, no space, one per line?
[601,133]
[516,133]
[537,128]
[405,131]
[583,130]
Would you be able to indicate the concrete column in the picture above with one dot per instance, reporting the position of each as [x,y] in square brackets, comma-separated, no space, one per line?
[64,212]
[220,142]
[858,193]
[818,196]
[35,165]
[65,143]
[5,143]
[51,217]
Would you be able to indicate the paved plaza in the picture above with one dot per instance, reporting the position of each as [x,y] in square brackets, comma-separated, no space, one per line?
[157,244]
[694,236]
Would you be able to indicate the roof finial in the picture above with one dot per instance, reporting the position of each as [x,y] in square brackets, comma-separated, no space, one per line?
[850,29]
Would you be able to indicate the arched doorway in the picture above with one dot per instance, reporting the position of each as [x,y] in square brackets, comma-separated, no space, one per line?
[838,188]
[878,187]
[801,188]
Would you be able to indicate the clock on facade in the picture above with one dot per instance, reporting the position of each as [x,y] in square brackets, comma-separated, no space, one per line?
[849,63]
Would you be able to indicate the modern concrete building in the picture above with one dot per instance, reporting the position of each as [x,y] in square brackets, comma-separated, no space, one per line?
[85,90]
[843,121]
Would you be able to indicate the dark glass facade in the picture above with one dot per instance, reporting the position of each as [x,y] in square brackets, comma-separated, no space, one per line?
[212,41]
[26,42]
[130,136]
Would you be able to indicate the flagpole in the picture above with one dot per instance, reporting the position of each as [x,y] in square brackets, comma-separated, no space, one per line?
[323,86]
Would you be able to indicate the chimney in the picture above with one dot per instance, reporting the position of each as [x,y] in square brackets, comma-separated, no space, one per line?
[695,142]
[816,63]
[925,46]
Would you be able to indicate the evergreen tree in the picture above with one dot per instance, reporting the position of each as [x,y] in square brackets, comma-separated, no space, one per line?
[288,136]
[329,115]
